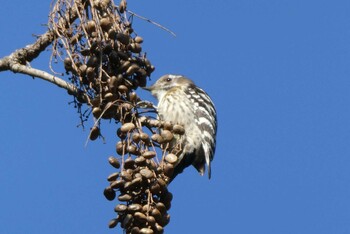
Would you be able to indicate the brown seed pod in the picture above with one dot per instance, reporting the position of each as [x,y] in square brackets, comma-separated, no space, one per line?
[144,137]
[149,154]
[82,69]
[113,176]
[140,217]
[146,173]
[125,65]
[135,47]
[132,69]
[140,161]
[112,33]
[137,181]
[110,97]
[113,82]
[91,26]
[137,174]
[161,182]
[156,214]
[106,24]
[168,169]
[96,111]
[120,134]
[171,158]
[132,149]
[133,184]
[67,64]
[123,38]
[127,221]
[155,123]
[136,137]
[157,138]
[178,129]
[96,102]
[146,208]
[117,184]
[161,207]
[94,133]
[152,165]
[129,163]
[134,207]
[123,89]
[135,230]
[128,186]
[124,197]
[90,73]
[146,231]
[168,126]
[150,69]
[155,188]
[114,162]
[113,223]
[133,97]
[138,39]
[109,193]
[126,175]
[120,147]
[158,228]
[120,208]
[167,135]
[165,220]
[151,220]
[127,127]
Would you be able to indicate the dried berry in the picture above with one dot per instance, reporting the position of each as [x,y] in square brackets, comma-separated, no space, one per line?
[113,177]
[114,162]
[94,133]
[148,174]
[124,197]
[149,154]
[171,158]
[113,223]
[120,208]
[109,193]
[127,127]
[178,129]
[167,135]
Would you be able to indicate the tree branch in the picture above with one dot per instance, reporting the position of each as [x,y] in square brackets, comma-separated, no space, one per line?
[16,62]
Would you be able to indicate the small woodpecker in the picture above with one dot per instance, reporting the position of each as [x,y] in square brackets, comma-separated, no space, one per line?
[181,102]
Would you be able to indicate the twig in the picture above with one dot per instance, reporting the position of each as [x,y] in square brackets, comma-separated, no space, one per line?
[152,22]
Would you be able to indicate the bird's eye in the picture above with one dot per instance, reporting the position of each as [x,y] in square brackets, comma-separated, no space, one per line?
[168,79]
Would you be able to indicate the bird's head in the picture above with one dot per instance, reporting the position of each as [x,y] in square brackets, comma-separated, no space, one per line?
[168,82]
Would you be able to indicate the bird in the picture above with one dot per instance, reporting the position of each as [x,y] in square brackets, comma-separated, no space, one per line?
[181,102]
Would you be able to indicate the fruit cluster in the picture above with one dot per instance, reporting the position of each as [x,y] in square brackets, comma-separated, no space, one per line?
[103,57]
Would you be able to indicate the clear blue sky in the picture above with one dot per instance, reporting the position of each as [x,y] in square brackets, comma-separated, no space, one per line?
[279,73]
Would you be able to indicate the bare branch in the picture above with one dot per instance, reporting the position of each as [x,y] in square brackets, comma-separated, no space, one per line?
[16,62]
[28,53]
[19,68]
[152,22]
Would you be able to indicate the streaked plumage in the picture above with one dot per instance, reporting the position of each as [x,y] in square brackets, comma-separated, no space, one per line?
[182,102]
